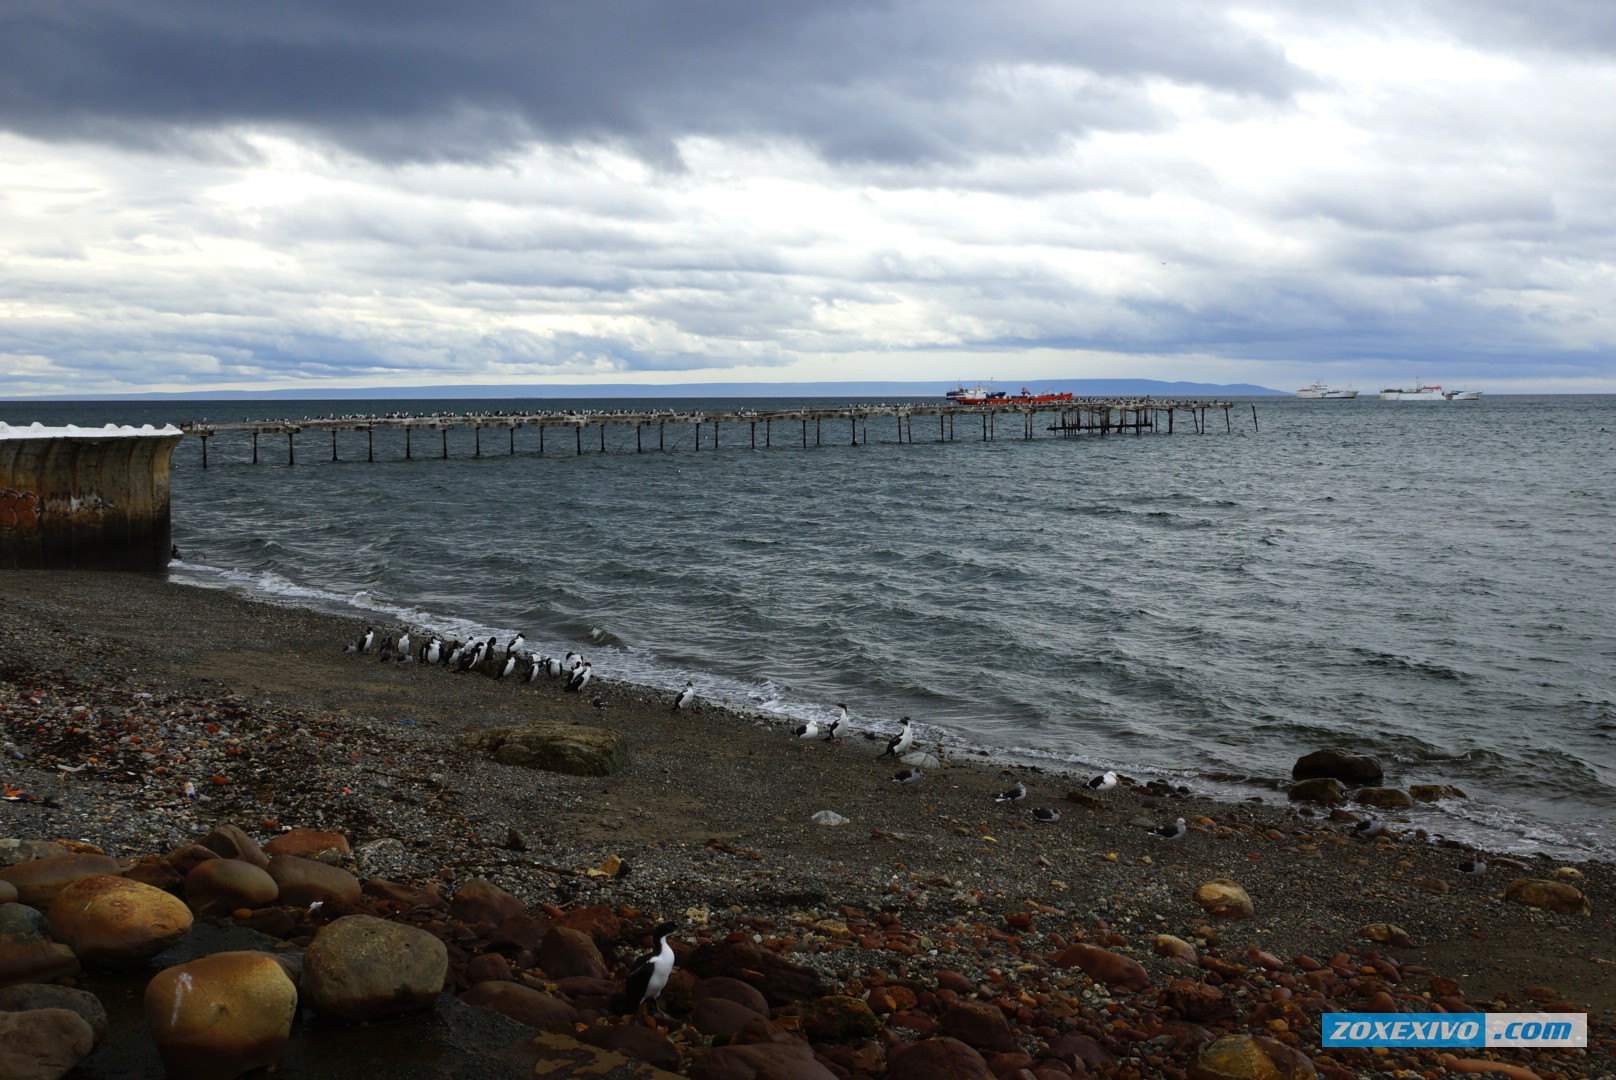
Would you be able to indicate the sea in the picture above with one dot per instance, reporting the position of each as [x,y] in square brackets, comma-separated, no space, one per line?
[1429,583]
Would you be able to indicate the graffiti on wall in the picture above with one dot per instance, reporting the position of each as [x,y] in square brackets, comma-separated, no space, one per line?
[20,509]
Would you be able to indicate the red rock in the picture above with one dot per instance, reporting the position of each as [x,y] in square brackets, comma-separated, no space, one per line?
[596,920]
[716,1016]
[304,881]
[525,1005]
[1008,1062]
[565,952]
[980,1026]
[480,902]
[1101,965]
[326,847]
[220,885]
[953,980]
[183,860]
[43,1044]
[792,1060]
[231,843]
[29,958]
[37,881]
[919,1023]
[635,1041]
[779,980]
[1197,1001]
[106,919]
[1083,1049]
[1380,1002]
[519,933]
[732,990]
[939,1059]
[405,896]
[489,967]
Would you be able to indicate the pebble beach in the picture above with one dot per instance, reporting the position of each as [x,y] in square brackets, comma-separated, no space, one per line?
[934,932]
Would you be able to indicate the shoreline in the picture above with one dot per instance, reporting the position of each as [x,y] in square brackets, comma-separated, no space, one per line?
[712,812]
[1512,838]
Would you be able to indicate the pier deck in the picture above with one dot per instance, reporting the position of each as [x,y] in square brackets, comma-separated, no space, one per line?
[1069,419]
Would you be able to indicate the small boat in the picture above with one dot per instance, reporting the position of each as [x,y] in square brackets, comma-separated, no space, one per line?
[984,395]
[1463,395]
[1323,392]
[1419,393]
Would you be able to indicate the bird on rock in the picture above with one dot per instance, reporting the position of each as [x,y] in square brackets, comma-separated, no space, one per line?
[649,976]
[899,744]
[1175,831]
[1012,794]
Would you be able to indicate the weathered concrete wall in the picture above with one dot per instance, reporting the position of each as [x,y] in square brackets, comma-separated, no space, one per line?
[85,498]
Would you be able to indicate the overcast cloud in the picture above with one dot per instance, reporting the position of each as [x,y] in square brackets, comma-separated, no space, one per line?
[221,195]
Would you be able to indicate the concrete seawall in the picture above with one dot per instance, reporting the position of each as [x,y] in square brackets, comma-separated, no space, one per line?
[85,498]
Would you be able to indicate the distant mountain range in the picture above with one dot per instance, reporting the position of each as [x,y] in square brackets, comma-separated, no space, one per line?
[880,390]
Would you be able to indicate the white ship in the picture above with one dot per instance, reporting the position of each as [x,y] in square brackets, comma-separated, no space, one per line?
[1463,395]
[1419,393]
[1322,392]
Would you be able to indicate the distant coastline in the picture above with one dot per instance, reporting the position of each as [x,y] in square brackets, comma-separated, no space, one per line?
[886,390]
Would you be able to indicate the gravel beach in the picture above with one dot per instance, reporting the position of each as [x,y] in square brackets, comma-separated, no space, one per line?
[118,690]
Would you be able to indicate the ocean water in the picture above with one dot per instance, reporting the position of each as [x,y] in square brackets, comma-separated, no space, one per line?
[1432,584]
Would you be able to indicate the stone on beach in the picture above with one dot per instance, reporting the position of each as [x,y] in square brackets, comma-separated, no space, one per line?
[37,881]
[1324,790]
[111,920]
[1385,797]
[360,967]
[554,746]
[1557,896]
[838,1018]
[321,846]
[1224,898]
[304,881]
[978,1025]
[566,952]
[219,1016]
[43,1044]
[481,903]
[524,1004]
[1175,948]
[1102,965]
[230,842]
[223,885]
[1249,1057]
[30,958]
[26,997]
[1426,793]
[8,892]
[1343,765]
[939,1059]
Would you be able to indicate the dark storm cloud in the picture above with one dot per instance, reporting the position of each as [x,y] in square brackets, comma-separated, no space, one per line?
[856,80]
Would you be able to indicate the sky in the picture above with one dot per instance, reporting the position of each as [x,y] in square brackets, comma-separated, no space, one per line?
[208,194]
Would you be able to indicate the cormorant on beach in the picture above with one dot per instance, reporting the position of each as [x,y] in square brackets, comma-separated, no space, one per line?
[900,743]
[649,975]
[686,696]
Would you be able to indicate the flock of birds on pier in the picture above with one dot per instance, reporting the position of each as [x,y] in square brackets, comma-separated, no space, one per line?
[513,659]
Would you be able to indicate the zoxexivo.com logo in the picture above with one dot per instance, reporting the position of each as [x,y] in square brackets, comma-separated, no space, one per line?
[1455,1029]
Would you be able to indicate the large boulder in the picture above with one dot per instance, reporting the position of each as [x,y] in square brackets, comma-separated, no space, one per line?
[28,996]
[111,920]
[1387,798]
[1344,765]
[223,885]
[979,1025]
[524,1004]
[479,903]
[360,967]
[229,842]
[1225,899]
[39,880]
[565,952]
[1104,966]
[42,1044]
[938,1059]
[30,958]
[574,749]
[1557,896]
[1325,790]
[1249,1057]
[221,1015]
[779,980]
[321,846]
[304,881]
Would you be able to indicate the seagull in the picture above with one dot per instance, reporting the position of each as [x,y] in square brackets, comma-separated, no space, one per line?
[1473,868]
[686,696]
[834,729]
[1368,828]
[808,730]
[580,678]
[900,743]
[1014,793]
[1046,814]
[910,775]
[650,975]
[1175,831]
[1104,782]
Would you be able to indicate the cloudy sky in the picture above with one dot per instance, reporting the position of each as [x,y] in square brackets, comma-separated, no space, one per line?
[200,194]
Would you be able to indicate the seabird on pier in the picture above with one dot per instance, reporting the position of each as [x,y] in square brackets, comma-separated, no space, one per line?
[1104,782]
[910,775]
[580,678]
[1047,814]
[833,730]
[1368,828]
[900,743]
[650,975]
[1013,794]
[808,730]
[1175,831]
[1473,868]
[686,696]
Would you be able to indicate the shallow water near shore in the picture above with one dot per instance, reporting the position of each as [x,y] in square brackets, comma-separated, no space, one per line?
[1427,584]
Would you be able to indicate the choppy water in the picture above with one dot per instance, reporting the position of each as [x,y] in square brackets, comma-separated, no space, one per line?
[1430,583]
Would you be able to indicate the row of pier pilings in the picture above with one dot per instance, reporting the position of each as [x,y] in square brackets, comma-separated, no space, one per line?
[802,427]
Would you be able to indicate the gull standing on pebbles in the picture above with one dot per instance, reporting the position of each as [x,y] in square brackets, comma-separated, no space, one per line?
[1175,831]
[1473,868]
[808,730]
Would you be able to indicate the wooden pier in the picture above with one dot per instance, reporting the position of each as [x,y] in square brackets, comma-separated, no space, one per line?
[849,424]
